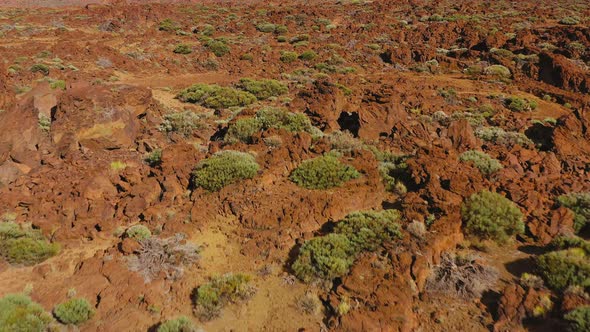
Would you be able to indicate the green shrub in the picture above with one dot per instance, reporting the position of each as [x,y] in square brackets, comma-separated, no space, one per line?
[74,311]
[19,313]
[323,173]
[242,130]
[308,55]
[392,169]
[281,39]
[218,46]
[564,268]
[288,56]
[183,49]
[214,295]
[579,319]
[40,68]
[263,89]
[215,96]
[299,38]
[19,245]
[517,104]
[180,324]
[266,118]
[272,117]
[502,137]
[567,242]
[368,230]
[266,27]
[57,84]
[498,71]
[184,123]
[281,29]
[489,215]
[569,21]
[486,164]
[326,257]
[579,203]
[138,232]
[224,168]
[154,158]
[168,25]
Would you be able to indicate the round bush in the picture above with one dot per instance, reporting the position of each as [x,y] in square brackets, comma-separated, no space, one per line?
[486,164]
[180,324]
[325,257]
[138,232]
[489,215]
[224,168]
[323,173]
[564,268]
[74,311]
[19,313]
[367,230]
[579,319]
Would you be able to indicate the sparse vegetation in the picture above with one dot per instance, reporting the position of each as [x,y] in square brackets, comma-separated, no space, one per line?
[502,137]
[40,68]
[368,230]
[323,172]
[331,256]
[19,313]
[569,21]
[23,245]
[266,118]
[213,296]
[180,324]
[263,89]
[183,49]
[579,203]
[184,123]
[486,164]
[74,311]
[288,56]
[489,215]
[168,25]
[215,96]
[219,47]
[154,158]
[517,104]
[224,168]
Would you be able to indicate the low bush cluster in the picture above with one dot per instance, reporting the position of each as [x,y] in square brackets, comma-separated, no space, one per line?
[568,266]
[517,104]
[23,245]
[579,203]
[224,168]
[74,311]
[183,123]
[215,96]
[183,49]
[497,71]
[331,256]
[218,46]
[211,297]
[323,173]
[486,164]
[19,313]
[500,136]
[489,215]
[393,169]
[180,324]
[266,118]
[263,89]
